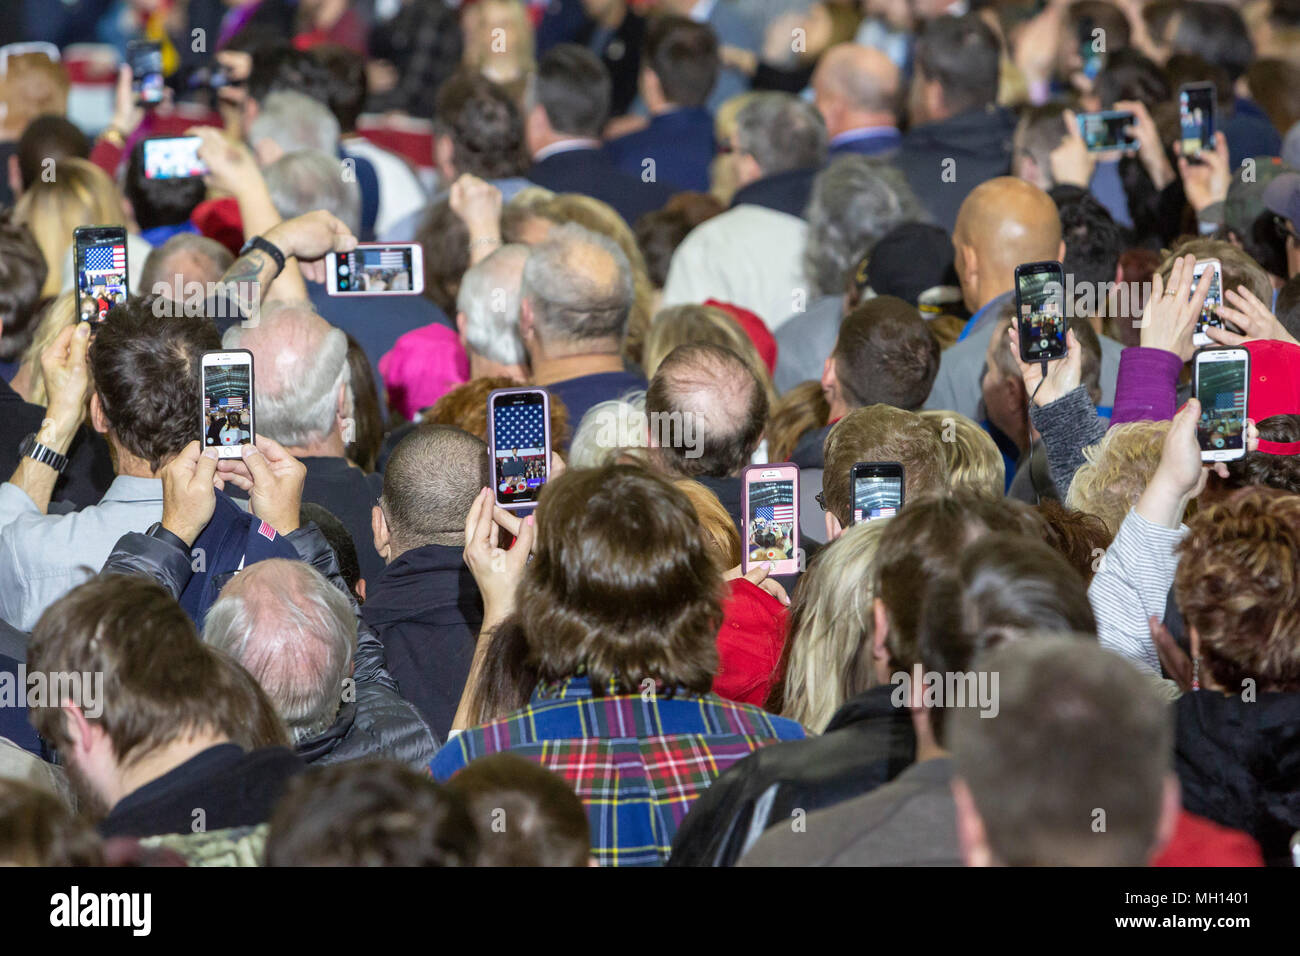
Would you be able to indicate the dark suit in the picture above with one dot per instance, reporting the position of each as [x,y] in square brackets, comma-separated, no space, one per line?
[786,192]
[877,141]
[944,161]
[588,171]
[680,142]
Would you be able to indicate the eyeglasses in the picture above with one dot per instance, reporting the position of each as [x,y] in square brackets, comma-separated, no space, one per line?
[821,501]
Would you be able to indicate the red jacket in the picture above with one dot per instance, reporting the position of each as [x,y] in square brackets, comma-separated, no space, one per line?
[1201,842]
[749,643]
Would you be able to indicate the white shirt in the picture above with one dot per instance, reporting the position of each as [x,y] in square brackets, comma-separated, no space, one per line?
[749,256]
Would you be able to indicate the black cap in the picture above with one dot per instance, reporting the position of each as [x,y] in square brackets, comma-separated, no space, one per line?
[909,260]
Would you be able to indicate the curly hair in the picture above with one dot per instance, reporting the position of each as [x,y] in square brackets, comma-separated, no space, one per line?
[465,407]
[1238,585]
[1081,538]
[1117,471]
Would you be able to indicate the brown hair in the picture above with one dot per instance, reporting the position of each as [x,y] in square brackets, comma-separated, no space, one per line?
[721,536]
[1238,585]
[973,460]
[37,830]
[1079,537]
[881,433]
[465,407]
[885,354]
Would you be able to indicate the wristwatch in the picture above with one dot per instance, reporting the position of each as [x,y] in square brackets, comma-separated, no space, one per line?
[257,242]
[156,530]
[29,447]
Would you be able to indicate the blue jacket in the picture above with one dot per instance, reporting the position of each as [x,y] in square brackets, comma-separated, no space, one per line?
[680,142]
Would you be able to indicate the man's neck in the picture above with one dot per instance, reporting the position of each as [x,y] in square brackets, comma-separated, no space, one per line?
[988,293]
[330,447]
[865,121]
[163,761]
[480,367]
[561,368]
[546,144]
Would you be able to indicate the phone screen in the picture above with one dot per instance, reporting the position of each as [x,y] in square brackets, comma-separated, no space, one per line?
[1040,303]
[770,523]
[227,405]
[146,71]
[371,269]
[1196,119]
[173,158]
[101,272]
[1213,299]
[1103,132]
[522,460]
[1221,390]
[876,496]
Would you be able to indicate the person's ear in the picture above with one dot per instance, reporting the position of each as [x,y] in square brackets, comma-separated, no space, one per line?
[267,151]
[461,323]
[82,734]
[970,827]
[444,156]
[98,420]
[527,329]
[879,636]
[1060,251]
[833,529]
[829,378]
[379,531]
[970,265]
[15,176]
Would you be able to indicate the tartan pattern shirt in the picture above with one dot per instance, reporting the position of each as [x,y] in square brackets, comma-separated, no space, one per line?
[637,764]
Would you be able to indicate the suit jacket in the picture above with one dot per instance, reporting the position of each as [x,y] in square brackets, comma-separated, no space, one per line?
[944,161]
[680,143]
[589,171]
[878,141]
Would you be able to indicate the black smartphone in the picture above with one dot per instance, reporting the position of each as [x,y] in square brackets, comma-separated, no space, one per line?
[1040,311]
[1104,132]
[145,58]
[519,429]
[877,489]
[1222,386]
[99,265]
[227,401]
[1196,118]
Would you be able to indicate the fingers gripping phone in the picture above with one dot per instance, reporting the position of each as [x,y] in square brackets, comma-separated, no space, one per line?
[771,509]
[146,61]
[519,433]
[1222,386]
[99,267]
[1196,118]
[227,385]
[877,489]
[376,269]
[1104,132]
[1040,311]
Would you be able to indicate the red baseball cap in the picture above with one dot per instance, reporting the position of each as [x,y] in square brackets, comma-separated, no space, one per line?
[1274,387]
[755,328]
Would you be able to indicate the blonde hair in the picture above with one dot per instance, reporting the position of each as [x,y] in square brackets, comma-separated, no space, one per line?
[80,194]
[55,317]
[702,325]
[1116,471]
[831,629]
[510,66]
[974,462]
[722,171]
[720,535]
[32,85]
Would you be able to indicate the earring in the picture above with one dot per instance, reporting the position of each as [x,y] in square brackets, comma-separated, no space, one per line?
[1196,673]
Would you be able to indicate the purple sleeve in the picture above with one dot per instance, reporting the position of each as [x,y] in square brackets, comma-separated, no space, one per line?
[1147,387]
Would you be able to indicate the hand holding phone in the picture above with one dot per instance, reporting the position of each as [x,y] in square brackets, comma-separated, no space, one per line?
[877,488]
[771,509]
[227,386]
[1196,102]
[1222,386]
[1040,311]
[519,433]
[1209,316]
[1105,132]
[146,61]
[376,269]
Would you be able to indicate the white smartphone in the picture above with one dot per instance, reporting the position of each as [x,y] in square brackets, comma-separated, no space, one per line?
[376,268]
[1222,386]
[519,433]
[1213,299]
[771,503]
[227,423]
[173,157]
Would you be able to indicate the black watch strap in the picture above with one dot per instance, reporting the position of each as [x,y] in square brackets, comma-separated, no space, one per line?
[29,447]
[272,250]
[157,531]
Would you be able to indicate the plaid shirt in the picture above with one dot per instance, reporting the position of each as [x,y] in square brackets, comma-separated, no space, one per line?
[637,764]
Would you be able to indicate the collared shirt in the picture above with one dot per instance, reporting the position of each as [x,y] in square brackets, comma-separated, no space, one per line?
[565,146]
[886,134]
[637,764]
[46,556]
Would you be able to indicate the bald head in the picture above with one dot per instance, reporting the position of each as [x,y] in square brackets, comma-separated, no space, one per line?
[294,632]
[854,87]
[432,479]
[711,411]
[577,290]
[1003,223]
[301,372]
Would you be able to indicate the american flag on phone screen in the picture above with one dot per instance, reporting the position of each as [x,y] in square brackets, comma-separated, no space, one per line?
[106,259]
[392,259]
[771,513]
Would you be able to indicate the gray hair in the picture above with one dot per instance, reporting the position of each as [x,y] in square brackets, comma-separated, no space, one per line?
[158,266]
[295,122]
[781,132]
[610,429]
[489,299]
[573,294]
[855,202]
[307,180]
[300,362]
[296,633]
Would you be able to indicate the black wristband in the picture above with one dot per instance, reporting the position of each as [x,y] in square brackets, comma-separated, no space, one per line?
[272,250]
[159,533]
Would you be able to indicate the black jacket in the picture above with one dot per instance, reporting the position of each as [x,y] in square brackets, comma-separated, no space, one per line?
[426,610]
[1239,764]
[786,192]
[590,172]
[868,742]
[379,723]
[944,161]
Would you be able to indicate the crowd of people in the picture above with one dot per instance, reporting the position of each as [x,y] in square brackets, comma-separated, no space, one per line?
[717,233]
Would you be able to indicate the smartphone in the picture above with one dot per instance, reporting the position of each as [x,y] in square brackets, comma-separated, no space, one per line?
[1104,132]
[227,401]
[99,264]
[173,157]
[1213,299]
[519,433]
[1040,311]
[1222,385]
[1196,118]
[771,507]
[1093,59]
[376,269]
[145,58]
[877,489]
